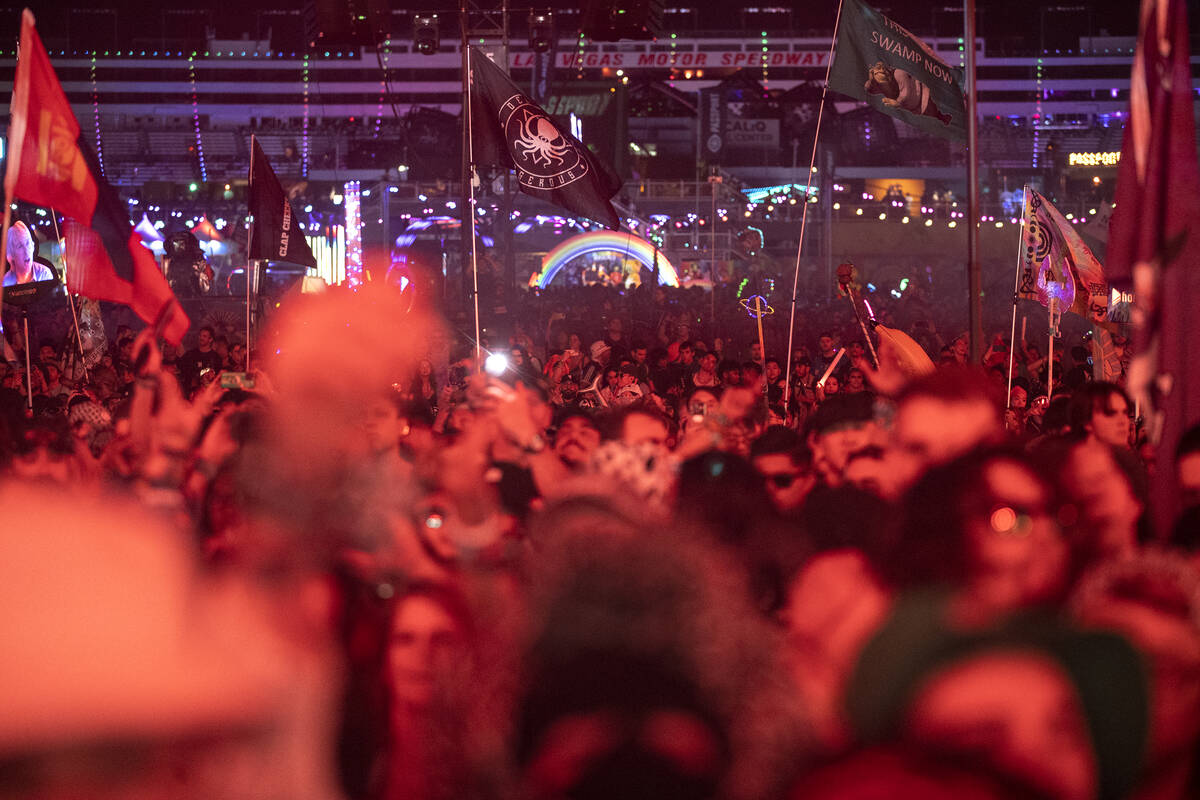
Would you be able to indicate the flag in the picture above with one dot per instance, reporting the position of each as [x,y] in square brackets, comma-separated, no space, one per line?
[275,232]
[509,130]
[107,260]
[50,165]
[882,64]
[1106,358]
[1154,239]
[45,165]
[1056,263]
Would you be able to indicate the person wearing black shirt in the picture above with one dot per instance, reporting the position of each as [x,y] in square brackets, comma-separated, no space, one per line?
[195,362]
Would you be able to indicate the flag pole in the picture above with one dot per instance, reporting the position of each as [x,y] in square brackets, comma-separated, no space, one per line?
[974,276]
[70,300]
[812,161]
[469,177]
[1050,350]
[249,250]
[1012,336]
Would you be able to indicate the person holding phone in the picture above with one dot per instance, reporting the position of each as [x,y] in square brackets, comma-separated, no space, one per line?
[202,360]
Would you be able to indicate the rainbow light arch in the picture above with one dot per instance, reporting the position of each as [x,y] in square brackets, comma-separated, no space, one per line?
[633,246]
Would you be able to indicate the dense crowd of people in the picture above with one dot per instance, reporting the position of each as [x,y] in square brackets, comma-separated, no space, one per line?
[640,555]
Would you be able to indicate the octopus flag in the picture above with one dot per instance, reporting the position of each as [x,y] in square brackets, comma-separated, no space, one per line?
[509,130]
[1056,263]
[882,64]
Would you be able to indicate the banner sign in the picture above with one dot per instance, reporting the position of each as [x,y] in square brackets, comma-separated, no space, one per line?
[681,60]
[713,111]
[882,64]
[752,133]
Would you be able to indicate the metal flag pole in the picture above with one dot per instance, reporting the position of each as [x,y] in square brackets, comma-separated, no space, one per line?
[812,162]
[469,178]
[70,300]
[974,276]
[1050,349]
[713,180]
[250,249]
[1012,336]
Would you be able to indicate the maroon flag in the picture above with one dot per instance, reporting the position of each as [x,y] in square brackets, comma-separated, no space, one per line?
[1154,239]
[107,260]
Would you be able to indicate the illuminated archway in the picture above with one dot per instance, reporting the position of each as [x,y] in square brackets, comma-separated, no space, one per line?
[621,242]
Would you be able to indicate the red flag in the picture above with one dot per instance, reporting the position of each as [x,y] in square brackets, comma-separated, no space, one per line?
[45,166]
[49,165]
[1154,239]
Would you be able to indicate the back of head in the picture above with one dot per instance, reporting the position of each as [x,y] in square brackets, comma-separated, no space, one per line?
[633,628]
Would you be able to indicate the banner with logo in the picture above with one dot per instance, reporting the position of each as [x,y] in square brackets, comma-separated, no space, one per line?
[713,114]
[1056,263]
[879,62]
[509,129]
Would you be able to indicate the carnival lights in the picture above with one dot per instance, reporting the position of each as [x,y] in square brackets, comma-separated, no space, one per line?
[352,202]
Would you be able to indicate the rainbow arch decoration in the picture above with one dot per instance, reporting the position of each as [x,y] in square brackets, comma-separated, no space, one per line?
[633,246]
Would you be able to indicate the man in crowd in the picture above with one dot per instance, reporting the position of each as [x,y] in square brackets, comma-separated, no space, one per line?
[22,266]
[785,464]
[940,417]
[200,363]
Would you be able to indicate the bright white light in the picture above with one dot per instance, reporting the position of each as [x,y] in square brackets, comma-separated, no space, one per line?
[496,364]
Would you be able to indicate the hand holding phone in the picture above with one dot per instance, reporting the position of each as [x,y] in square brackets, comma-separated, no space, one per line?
[236,380]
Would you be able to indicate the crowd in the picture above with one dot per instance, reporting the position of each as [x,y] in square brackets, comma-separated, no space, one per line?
[635,557]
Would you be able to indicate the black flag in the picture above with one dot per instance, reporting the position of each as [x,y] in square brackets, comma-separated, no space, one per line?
[508,129]
[276,234]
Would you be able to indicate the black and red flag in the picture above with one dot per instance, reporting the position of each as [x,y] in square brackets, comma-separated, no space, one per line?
[509,130]
[1154,238]
[275,232]
[50,165]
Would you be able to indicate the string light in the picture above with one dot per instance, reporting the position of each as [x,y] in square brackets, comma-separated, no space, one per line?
[304,134]
[1037,115]
[96,117]
[196,118]
[383,82]
[765,58]
[352,194]
[671,79]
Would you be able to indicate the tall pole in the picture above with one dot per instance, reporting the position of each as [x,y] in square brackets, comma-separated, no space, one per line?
[812,162]
[249,259]
[466,241]
[469,179]
[713,180]
[1012,336]
[974,278]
